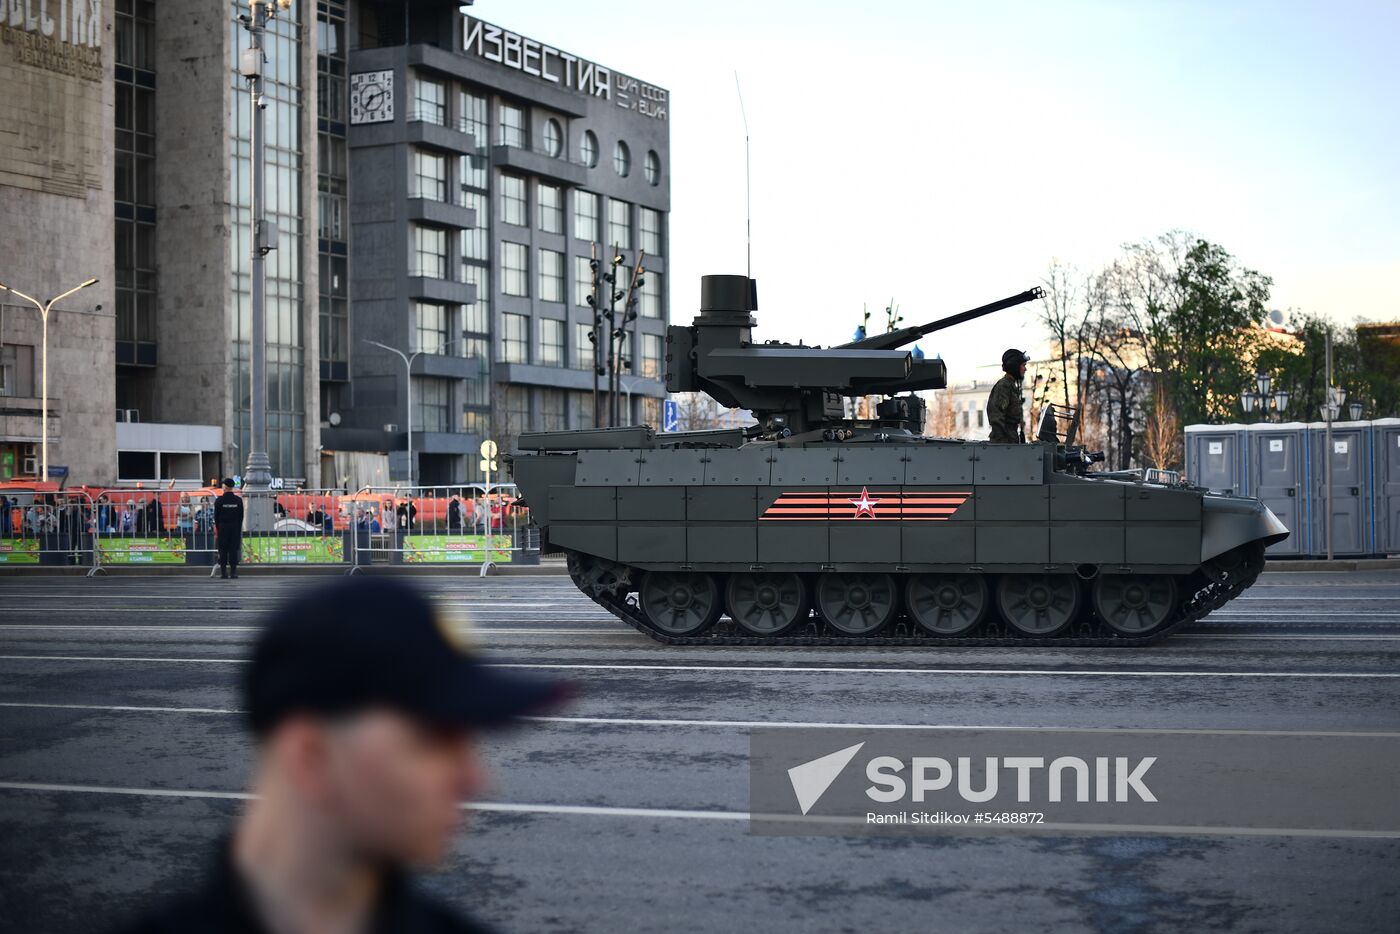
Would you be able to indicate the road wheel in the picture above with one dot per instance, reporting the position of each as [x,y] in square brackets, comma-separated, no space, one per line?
[1135,604]
[680,604]
[857,604]
[767,604]
[1038,604]
[947,604]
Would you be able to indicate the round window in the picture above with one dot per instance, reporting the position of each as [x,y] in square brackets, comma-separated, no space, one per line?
[553,138]
[622,159]
[653,167]
[588,149]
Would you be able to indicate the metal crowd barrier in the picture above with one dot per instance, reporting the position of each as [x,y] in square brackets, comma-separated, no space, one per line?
[464,524]
[46,528]
[461,524]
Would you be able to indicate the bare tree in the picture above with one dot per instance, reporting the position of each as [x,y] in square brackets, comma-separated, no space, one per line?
[940,420]
[1161,436]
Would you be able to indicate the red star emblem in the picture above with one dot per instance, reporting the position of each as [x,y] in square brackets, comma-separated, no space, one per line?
[865,506]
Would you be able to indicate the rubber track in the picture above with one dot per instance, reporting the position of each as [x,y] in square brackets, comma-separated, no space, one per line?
[1086,632]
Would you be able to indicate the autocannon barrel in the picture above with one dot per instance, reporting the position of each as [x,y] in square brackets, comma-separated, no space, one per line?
[895,339]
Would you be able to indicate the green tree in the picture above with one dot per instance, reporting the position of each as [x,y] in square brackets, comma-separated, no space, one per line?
[1196,309]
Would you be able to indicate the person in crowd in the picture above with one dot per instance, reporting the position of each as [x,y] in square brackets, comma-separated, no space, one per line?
[6,520]
[129,518]
[454,516]
[367,713]
[184,515]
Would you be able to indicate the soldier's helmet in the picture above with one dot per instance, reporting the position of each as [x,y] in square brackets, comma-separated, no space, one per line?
[1013,358]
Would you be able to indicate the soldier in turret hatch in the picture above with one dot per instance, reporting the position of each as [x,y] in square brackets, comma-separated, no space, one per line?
[1006,405]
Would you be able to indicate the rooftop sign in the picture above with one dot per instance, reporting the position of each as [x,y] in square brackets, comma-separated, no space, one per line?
[503,47]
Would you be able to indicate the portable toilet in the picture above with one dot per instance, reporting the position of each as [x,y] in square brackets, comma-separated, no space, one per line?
[1216,458]
[1385,486]
[1351,487]
[1278,475]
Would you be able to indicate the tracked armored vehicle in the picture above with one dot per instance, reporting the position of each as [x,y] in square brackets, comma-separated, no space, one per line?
[812,527]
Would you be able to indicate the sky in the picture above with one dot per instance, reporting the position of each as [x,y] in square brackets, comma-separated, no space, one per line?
[943,154]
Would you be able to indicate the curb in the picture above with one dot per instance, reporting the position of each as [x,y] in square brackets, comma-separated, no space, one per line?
[323,570]
[1349,564]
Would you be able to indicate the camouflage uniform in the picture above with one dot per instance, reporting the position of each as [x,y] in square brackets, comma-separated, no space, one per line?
[1004,411]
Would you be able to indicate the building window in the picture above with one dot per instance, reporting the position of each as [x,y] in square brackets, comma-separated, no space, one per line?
[553,412]
[515,338]
[429,253]
[981,419]
[653,168]
[513,204]
[620,224]
[583,281]
[511,129]
[650,302]
[429,176]
[431,402]
[553,138]
[550,201]
[588,149]
[471,117]
[651,355]
[429,101]
[472,172]
[551,276]
[583,346]
[622,159]
[335,322]
[515,268]
[475,241]
[551,342]
[517,409]
[16,370]
[649,230]
[583,409]
[432,328]
[586,216]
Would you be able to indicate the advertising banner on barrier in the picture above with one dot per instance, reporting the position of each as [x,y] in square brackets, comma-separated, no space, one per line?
[141,550]
[19,551]
[310,549]
[454,549]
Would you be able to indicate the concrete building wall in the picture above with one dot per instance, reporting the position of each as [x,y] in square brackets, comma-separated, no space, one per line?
[56,120]
[192,226]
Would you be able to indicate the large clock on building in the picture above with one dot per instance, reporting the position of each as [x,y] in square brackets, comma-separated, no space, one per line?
[372,97]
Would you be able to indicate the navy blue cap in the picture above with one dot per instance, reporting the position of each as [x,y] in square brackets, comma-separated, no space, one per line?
[360,642]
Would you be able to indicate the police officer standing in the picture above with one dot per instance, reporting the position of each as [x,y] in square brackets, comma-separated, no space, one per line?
[228,529]
[1006,404]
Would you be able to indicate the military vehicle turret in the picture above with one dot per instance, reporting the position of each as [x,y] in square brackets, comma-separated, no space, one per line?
[814,527]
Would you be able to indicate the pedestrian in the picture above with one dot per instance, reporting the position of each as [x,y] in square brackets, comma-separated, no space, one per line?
[228,529]
[128,518]
[407,514]
[185,515]
[1006,404]
[454,516]
[155,524]
[365,711]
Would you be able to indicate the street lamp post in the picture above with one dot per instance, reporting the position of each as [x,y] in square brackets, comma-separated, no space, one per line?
[257,474]
[408,359]
[44,309]
[1263,400]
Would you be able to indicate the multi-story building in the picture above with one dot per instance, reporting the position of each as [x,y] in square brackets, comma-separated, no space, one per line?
[438,185]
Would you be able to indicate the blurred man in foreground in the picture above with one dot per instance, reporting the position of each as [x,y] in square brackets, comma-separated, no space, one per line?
[366,713]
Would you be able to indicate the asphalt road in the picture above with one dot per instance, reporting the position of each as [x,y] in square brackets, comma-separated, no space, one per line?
[121,750]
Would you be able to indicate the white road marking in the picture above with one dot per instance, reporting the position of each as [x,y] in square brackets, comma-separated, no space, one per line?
[582,810]
[769,724]
[782,669]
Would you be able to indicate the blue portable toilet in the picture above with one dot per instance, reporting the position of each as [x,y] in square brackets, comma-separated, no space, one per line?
[1278,475]
[1385,486]
[1352,498]
[1217,458]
